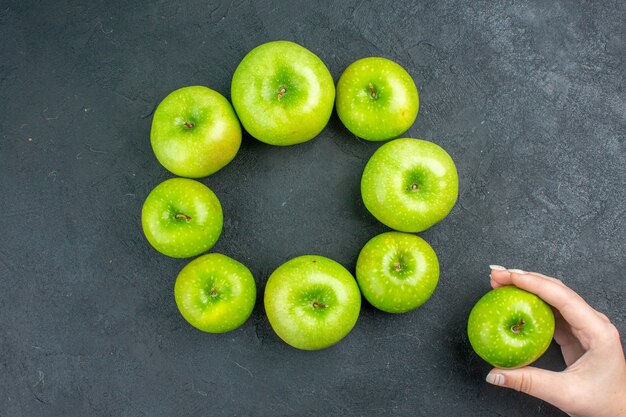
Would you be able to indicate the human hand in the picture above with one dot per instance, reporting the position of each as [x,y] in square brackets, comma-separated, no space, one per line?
[594,382]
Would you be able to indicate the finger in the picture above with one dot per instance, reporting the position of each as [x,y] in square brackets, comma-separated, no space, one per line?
[603,316]
[571,347]
[572,307]
[556,280]
[494,284]
[501,276]
[545,385]
[563,334]
[577,312]
[537,274]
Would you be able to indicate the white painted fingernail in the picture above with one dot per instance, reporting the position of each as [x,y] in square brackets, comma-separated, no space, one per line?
[497,267]
[495,379]
[517,271]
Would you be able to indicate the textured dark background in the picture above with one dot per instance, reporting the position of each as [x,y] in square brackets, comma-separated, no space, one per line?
[528,98]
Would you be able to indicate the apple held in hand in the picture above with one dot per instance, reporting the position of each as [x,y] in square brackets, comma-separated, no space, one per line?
[282,93]
[510,328]
[376,99]
[195,132]
[215,293]
[397,272]
[410,184]
[312,302]
[182,218]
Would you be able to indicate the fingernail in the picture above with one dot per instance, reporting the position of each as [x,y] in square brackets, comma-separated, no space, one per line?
[517,271]
[497,267]
[495,379]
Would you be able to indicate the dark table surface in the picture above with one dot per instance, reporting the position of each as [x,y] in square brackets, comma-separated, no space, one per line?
[528,98]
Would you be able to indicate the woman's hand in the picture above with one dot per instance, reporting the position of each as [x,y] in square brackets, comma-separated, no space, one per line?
[594,382]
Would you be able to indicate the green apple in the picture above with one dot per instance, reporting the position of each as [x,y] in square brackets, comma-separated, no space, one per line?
[182,218]
[195,132]
[397,272]
[510,328]
[215,293]
[376,99]
[312,302]
[409,184]
[282,93]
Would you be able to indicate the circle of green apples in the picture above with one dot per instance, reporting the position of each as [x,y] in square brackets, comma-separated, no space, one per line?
[283,94]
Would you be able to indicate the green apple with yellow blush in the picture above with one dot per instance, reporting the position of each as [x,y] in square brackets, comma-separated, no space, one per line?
[215,293]
[283,93]
[195,132]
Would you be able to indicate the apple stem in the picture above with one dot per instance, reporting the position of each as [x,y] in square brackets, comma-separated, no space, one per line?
[281,92]
[516,328]
[181,216]
[397,266]
[213,293]
[188,125]
[315,304]
[414,187]
[372,91]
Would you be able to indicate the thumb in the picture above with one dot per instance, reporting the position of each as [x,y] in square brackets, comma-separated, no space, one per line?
[545,385]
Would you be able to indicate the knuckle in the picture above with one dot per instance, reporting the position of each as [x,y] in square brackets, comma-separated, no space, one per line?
[609,335]
[524,383]
[527,383]
[613,333]
[604,317]
[541,289]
